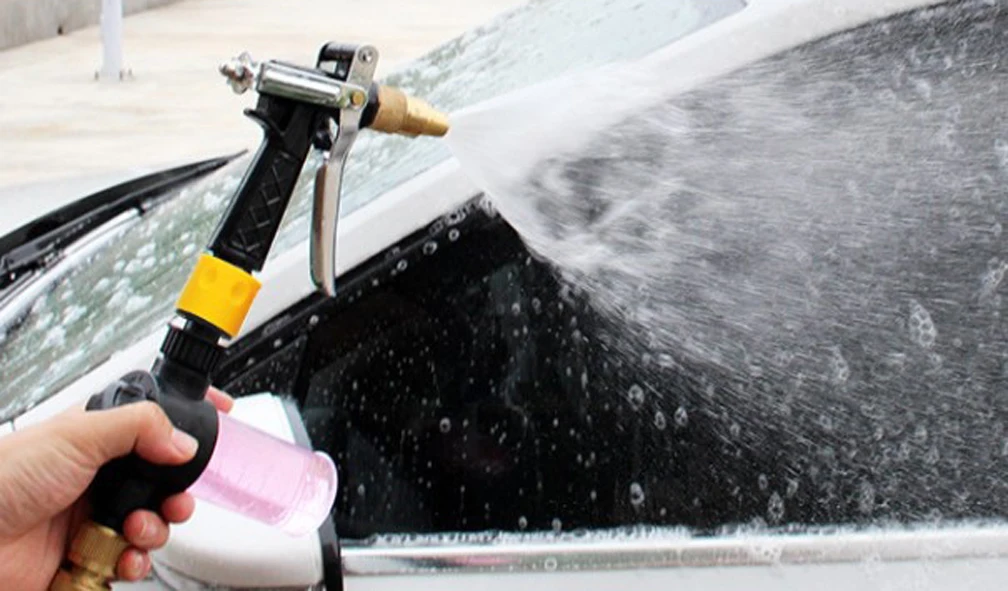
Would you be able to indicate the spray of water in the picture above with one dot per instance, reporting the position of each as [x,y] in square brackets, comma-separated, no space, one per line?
[822,229]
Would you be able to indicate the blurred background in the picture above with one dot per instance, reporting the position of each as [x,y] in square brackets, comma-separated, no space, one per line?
[60,127]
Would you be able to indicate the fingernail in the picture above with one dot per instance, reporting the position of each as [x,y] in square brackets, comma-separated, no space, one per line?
[184,442]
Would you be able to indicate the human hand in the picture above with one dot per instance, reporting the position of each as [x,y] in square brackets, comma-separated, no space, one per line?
[45,469]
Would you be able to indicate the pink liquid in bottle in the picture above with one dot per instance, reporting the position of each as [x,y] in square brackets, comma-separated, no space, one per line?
[267,479]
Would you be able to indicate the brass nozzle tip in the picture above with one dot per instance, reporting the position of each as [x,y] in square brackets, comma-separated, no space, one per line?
[407,115]
[94,552]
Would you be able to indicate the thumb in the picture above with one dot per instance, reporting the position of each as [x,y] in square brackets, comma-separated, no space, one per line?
[103,435]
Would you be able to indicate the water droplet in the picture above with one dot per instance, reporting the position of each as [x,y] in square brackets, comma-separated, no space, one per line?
[361,490]
[550,564]
[840,369]
[636,396]
[1001,149]
[445,425]
[401,265]
[993,278]
[522,523]
[792,487]
[866,498]
[516,308]
[593,495]
[775,508]
[488,207]
[922,328]
[636,495]
[453,235]
[681,417]
[313,320]
[735,429]
[659,420]
[763,482]
[430,247]
[556,524]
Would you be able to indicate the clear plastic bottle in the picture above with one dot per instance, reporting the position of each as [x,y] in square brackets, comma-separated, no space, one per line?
[267,479]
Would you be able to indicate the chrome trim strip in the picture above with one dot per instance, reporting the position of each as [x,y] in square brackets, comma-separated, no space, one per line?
[676,550]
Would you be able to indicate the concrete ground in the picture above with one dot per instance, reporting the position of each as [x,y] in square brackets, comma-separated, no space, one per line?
[58,125]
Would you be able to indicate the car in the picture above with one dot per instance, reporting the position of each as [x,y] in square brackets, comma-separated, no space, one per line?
[827,412]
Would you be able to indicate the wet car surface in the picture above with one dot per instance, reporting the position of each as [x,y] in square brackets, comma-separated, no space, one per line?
[464,383]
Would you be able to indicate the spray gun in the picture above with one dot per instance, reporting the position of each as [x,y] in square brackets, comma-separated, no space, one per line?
[298,108]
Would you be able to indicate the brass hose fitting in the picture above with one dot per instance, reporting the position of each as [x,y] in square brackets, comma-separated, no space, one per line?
[406,115]
[94,553]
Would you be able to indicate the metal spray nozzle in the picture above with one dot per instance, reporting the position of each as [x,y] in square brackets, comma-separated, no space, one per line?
[400,113]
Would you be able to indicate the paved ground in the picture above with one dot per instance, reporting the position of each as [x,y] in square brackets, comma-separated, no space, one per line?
[57,123]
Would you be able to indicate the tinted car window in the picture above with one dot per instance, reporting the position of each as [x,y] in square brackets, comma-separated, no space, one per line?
[463,384]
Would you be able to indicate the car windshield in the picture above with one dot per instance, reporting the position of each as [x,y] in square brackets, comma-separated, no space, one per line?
[128,289]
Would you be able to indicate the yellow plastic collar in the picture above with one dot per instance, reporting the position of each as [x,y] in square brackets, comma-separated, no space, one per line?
[219,293]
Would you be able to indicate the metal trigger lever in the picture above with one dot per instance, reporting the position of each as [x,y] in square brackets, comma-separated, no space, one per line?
[329,176]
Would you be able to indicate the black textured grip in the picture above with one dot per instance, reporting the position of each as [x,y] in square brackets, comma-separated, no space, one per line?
[247,231]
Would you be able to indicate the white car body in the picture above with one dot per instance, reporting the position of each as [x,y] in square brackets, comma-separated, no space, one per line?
[229,551]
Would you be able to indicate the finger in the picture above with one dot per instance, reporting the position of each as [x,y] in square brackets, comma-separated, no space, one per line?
[220,400]
[102,435]
[178,508]
[145,530]
[134,565]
